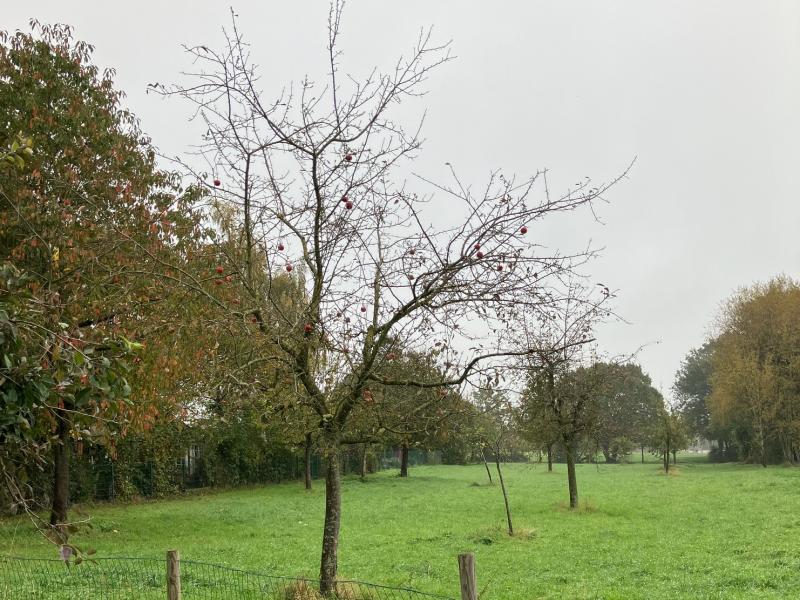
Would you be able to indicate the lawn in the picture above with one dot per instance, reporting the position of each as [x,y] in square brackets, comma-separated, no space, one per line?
[708,531]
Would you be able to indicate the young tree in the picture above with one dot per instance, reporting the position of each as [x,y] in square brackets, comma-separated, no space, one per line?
[565,377]
[496,434]
[669,436]
[312,175]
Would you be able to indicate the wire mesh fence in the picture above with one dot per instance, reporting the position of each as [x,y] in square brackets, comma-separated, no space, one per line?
[143,578]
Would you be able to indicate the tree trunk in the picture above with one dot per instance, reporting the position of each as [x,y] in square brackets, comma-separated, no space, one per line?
[486,464]
[674,456]
[61,452]
[762,445]
[404,460]
[308,461]
[571,476]
[550,458]
[642,454]
[364,450]
[333,515]
[505,494]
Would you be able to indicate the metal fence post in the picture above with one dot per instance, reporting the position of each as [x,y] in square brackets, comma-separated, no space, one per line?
[173,575]
[466,573]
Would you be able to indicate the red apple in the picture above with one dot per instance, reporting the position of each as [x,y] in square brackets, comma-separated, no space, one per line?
[363,308]
[348,157]
[219,269]
[228,278]
[280,247]
[348,205]
[479,255]
[412,251]
[217,182]
[523,230]
[308,328]
[499,267]
[289,268]
[477,246]
[344,199]
[218,282]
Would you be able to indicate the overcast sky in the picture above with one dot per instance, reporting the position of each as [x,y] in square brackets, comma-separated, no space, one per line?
[706,96]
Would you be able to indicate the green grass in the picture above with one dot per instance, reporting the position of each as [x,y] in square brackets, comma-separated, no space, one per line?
[708,531]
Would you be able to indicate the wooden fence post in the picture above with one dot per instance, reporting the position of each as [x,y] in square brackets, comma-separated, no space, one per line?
[173,575]
[466,572]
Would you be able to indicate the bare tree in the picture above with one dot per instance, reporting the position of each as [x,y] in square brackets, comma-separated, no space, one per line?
[312,175]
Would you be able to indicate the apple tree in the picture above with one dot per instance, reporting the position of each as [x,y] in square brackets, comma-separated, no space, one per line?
[314,177]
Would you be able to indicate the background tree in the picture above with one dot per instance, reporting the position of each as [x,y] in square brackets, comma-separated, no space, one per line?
[669,436]
[755,388]
[564,376]
[312,178]
[692,389]
[73,222]
[628,407]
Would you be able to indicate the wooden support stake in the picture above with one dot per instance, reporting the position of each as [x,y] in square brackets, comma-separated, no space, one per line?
[173,575]
[466,572]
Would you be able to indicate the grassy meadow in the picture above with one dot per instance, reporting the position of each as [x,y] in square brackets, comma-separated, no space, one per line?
[706,531]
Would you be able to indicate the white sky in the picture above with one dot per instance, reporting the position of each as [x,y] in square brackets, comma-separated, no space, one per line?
[705,94]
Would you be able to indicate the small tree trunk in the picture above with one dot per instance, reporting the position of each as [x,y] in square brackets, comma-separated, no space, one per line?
[607,454]
[571,476]
[505,493]
[674,456]
[550,458]
[486,464]
[642,454]
[61,454]
[333,516]
[404,460]
[364,451]
[308,461]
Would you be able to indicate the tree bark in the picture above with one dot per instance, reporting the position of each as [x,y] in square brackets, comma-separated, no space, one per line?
[486,464]
[61,455]
[505,494]
[550,458]
[308,461]
[404,460]
[333,515]
[674,456]
[642,454]
[571,476]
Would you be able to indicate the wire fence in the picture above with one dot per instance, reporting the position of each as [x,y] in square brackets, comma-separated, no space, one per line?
[145,579]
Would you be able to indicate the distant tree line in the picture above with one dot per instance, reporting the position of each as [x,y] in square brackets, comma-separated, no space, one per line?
[741,388]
